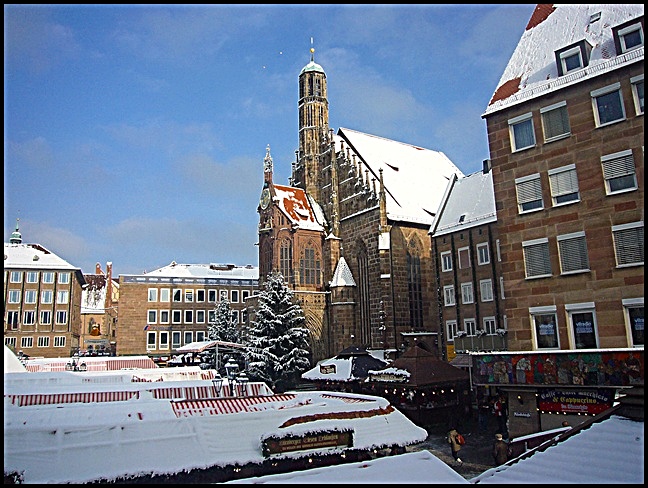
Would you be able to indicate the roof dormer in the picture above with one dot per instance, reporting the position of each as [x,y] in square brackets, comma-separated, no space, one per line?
[573,57]
[629,35]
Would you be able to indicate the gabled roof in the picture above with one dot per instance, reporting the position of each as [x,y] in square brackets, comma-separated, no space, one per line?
[300,209]
[414,177]
[231,271]
[470,202]
[342,275]
[532,71]
[33,256]
[93,297]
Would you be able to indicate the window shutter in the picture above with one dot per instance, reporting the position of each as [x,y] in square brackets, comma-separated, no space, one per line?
[618,167]
[536,259]
[529,191]
[564,183]
[629,245]
[573,254]
[556,122]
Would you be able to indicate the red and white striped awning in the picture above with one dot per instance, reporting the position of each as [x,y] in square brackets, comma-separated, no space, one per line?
[346,399]
[91,397]
[201,408]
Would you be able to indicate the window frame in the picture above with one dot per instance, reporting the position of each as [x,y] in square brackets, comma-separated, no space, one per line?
[47,297]
[564,257]
[470,326]
[47,277]
[449,296]
[631,330]
[13,319]
[64,278]
[151,316]
[621,31]
[446,261]
[31,277]
[596,95]
[487,285]
[62,297]
[638,99]
[451,330]
[536,243]
[540,312]
[165,316]
[483,253]
[26,342]
[489,324]
[569,53]
[61,317]
[152,295]
[518,122]
[29,317]
[15,277]
[151,340]
[60,341]
[530,185]
[164,340]
[14,296]
[563,185]
[465,252]
[574,309]
[616,230]
[45,317]
[43,341]
[622,161]
[31,296]
[165,295]
[467,293]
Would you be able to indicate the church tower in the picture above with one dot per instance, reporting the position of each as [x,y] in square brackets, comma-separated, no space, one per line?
[313,127]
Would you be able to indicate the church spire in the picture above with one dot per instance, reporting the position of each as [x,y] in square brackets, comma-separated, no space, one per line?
[267,166]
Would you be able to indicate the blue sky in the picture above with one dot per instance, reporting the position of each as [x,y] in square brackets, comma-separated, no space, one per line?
[136,134]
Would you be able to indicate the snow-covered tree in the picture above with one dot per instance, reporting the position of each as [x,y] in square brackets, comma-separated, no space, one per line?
[221,326]
[277,346]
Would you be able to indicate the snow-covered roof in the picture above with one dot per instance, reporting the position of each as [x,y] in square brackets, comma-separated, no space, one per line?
[608,452]
[231,271]
[532,70]
[298,208]
[11,363]
[470,202]
[342,275]
[93,297]
[33,256]
[415,178]
[412,467]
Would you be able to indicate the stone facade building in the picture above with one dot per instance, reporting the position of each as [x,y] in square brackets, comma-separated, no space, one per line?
[42,293]
[350,232]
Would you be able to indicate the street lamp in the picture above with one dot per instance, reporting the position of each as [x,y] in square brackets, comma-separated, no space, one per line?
[232,369]
[217,381]
[243,381]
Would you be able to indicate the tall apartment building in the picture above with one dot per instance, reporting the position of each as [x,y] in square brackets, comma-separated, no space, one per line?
[170,307]
[566,138]
[42,297]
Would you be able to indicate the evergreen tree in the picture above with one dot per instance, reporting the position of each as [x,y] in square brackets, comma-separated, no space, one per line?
[277,351]
[221,328]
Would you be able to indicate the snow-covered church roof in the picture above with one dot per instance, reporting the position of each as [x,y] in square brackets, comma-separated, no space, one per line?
[415,178]
[342,275]
[301,210]
[532,70]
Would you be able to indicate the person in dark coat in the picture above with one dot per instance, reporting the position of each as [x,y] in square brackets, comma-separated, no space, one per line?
[500,450]
[454,444]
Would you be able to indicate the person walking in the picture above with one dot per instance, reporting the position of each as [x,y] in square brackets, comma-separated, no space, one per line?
[500,450]
[455,446]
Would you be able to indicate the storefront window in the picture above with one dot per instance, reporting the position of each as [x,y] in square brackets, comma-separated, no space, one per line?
[584,330]
[636,315]
[546,331]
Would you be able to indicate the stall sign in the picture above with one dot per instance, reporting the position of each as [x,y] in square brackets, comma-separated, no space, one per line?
[323,439]
[327,369]
[575,401]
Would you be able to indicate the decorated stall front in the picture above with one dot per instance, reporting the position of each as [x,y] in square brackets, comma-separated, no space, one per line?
[544,389]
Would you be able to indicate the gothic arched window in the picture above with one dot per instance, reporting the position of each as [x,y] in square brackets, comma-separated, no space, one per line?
[363,297]
[286,261]
[414,285]
[309,267]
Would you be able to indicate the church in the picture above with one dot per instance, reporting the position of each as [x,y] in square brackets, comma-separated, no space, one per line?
[350,232]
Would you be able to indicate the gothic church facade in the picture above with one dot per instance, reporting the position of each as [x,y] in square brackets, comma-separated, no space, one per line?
[350,231]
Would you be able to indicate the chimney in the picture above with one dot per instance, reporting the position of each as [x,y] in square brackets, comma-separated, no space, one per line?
[98,269]
[487,165]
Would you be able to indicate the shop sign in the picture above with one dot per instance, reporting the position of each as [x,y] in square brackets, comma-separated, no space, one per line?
[327,369]
[575,401]
[319,440]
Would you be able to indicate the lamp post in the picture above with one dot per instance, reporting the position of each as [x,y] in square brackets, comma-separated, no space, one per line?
[243,381]
[232,369]
[217,381]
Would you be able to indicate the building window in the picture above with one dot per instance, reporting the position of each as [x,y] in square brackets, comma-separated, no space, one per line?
[309,267]
[164,316]
[608,105]
[244,316]
[200,316]
[29,317]
[490,325]
[619,172]
[188,316]
[164,340]
[638,93]
[10,342]
[59,341]
[629,244]
[43,341]
[223,295]
[200,335]
[189,295]
[628,36]
[211,296]
[463,257]
[285,260]
[15,277]
[564,185]
[572,249]
[582,320]
[175,339]
[521,132]
[446,261]
[245,295]
[470,327]
[177,295]
[64,278]
[188,337]
[235,316]
[152,317]
[467,293]
[536,258]
[151,339]
[486,289]
[47,296]
[152,294]
[176,316]
[61,317]
[414,286]
[30,296]
[235,296]
[26,342]
[569,60]
[165,295]
[448,295]
[12,319]
[32,277]
[200,296]
[62,297]
[451,329]
[545,328]
[46,317]
[633,309]
[483,256]
[48,277]
[529,193]
[14,296]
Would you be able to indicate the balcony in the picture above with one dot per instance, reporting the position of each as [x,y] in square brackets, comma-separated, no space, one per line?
[475,343]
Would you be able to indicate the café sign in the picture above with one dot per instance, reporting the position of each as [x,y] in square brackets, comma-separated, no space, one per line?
[575,401]
[316,440]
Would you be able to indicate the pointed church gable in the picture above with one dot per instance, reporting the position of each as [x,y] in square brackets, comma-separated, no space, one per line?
[415,178]
[342,275]
[294,203]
